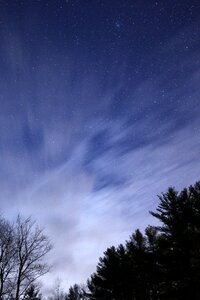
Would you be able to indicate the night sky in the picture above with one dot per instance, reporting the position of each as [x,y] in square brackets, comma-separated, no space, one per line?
[99,113]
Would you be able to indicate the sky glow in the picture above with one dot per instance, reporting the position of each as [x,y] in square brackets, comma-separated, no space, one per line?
[100,106]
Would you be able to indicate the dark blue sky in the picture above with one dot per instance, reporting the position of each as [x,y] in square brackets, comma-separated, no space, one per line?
[99,113]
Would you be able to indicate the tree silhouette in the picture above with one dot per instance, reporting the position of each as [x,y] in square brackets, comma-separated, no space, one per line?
[180,241]
[76,292]
[104,284]
[22,249]
[163,263]
[31,246]
[7,258]
[32,293]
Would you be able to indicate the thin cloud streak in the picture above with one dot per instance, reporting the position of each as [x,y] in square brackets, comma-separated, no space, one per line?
[78,170]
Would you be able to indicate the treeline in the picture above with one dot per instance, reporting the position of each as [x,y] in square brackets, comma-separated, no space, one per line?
[163,263]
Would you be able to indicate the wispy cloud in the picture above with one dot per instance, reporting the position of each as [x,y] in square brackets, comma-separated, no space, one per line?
[86,155]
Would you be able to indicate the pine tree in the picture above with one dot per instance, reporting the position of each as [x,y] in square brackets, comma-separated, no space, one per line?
[163,263]
[76,292]
[32,293]
[180,240]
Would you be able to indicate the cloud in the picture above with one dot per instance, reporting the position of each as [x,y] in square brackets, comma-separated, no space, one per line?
[86,156]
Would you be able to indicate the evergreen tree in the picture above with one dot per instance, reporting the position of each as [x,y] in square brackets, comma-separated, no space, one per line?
[153,267]
[180,242]
[163,263]
[104,284]
[33,293]
[76,293]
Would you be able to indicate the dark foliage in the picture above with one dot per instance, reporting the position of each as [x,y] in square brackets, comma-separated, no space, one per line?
[163,263]
[32,293]
[76,292]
